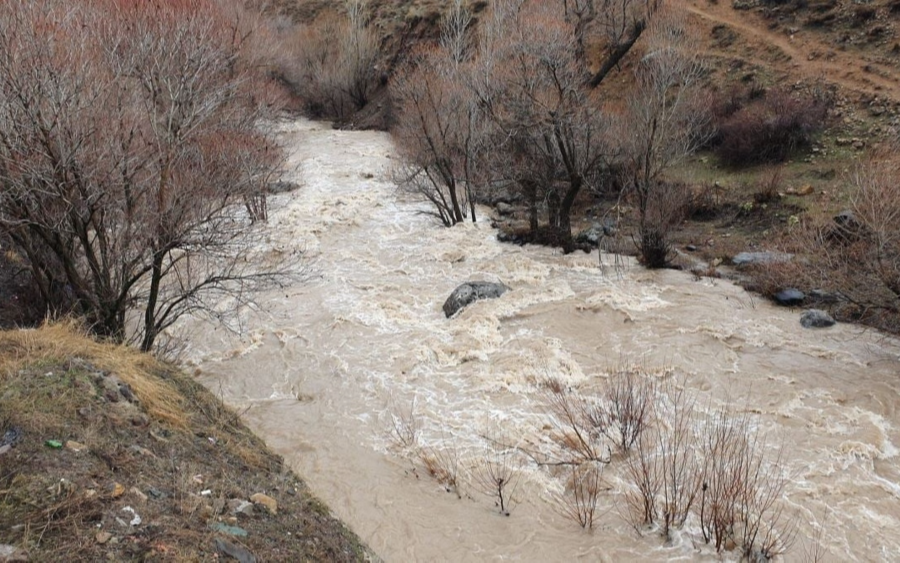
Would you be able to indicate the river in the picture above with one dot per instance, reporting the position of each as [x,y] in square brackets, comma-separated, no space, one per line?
[328,364]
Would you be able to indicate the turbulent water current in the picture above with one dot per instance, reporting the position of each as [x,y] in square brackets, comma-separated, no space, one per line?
[335,371]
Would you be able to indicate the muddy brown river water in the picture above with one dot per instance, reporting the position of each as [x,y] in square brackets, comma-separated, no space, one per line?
[325,365]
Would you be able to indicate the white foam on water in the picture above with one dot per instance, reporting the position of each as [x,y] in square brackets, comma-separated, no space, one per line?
[329,366]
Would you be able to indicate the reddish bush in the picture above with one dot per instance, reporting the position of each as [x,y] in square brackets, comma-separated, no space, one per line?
[770,129]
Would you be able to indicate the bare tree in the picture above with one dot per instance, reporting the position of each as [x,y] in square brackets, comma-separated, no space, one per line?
[456,30]
[438,135]
[331,64]
[126,156]
[667,120]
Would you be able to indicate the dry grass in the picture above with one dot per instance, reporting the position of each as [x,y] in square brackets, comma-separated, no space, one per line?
[65,340]
[140,437]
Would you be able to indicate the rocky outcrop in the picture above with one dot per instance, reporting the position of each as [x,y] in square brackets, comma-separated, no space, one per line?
[469,292]
[816,318]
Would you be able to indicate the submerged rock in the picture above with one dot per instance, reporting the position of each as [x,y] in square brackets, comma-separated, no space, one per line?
[789,297]
[816,318]
[469,292]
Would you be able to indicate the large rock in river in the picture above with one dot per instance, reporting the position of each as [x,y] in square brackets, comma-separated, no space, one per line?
[470,292]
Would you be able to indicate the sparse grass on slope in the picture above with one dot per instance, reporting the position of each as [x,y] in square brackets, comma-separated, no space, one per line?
[109,454]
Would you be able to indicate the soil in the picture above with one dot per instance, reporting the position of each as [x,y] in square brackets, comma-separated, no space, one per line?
[116,456]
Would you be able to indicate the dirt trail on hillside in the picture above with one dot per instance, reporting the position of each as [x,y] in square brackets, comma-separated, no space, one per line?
[846,70]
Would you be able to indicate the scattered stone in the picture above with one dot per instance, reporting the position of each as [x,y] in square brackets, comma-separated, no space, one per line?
[139,450]
[5,449]
[117,490]
[127,394]
[138,494]
[75,446]
[230,530]
[754,258]
[468,293]
[267,501]
[12,436]
[139,419]
[790,297]
[10,553]
[805,190]
[816,318]
[233,551]
[135,517]
[238,506]
[103,537]
[691,248]
[156,493]
[190,504]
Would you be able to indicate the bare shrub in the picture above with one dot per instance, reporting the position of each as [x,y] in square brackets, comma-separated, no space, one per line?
[677,456]
[741,488]
[495,475]
[770,129]
[442,465]
[331,64]
[580,499]
[404,425]
[769,188]
[644,474]
[855,256]
[629,397]
[579,424]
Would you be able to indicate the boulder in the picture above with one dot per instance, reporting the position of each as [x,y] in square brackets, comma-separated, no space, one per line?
[593,234]
[470,292]
[816,318]
[789,297]
[753,258]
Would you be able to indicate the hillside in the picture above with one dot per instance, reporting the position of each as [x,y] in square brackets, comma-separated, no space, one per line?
[108,454]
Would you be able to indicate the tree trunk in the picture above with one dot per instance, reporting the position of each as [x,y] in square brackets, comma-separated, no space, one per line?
[152,298]
[565,215]
[618,53]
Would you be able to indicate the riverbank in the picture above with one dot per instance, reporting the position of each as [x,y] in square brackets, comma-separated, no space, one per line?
[109,454]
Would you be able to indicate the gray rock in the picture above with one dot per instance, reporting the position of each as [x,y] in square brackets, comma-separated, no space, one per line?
[593,234]
[752,258]
[469,292]
[240,506]
[230,530]
[233,551]
[505,209]
[789,297]
[816,318]
[691,248]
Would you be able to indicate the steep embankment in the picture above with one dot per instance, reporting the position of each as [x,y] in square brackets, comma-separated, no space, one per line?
[109,454]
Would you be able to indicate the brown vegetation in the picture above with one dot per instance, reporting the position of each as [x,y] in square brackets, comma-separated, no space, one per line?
[127,155]
[109,453]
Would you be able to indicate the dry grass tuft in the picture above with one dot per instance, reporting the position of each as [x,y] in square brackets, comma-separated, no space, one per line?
[66,340]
